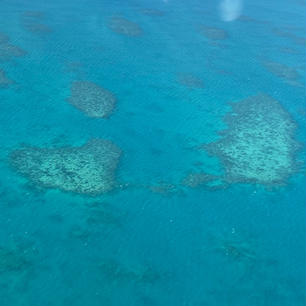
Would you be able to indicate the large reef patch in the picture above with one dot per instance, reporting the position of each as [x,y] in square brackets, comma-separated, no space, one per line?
[258,146]
[89,169]
[92,99]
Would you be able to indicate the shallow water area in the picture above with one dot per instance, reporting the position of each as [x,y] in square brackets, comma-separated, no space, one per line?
[155,218]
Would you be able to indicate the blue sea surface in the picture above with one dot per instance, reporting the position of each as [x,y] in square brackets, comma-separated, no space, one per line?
[153,241]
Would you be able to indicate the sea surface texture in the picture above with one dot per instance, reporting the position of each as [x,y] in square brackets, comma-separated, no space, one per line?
[152,153]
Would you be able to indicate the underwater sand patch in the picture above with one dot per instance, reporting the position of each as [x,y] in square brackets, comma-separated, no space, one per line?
[88,169]
[124,26]
[190,80]
[4,80]
[258,146]
[92,99]
[213,33]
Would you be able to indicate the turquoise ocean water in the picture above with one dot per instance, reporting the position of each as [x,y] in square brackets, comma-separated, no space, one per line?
[155,242]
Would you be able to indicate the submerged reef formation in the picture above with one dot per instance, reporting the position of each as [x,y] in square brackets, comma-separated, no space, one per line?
[190,80]
[8,50]
[13,259]
[289,74]
[234,246]
[19,262]
[124,26]
[4,80]
[92,99]
[152,12]
[3,38]
[213,33]
[202,179]
[32,22]
[89,169]
[116,272]
[258,146]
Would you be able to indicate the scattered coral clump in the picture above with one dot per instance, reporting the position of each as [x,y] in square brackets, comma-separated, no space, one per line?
[194,180]
[213,33]
[116,272]
[153,12]
[258,146]
[190,80]
[3,38]
[9,51]
[10,260]
[89,169]
[234,246]
[92,99]
[282,71]
[4,80]
[124,26]
[32,22]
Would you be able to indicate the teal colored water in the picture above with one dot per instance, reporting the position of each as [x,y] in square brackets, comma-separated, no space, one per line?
[154,242]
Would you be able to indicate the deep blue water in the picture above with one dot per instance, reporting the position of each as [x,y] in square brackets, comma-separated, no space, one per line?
[180,234]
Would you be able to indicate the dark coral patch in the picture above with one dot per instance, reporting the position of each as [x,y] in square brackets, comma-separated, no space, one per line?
[89,169]
[124,26]
[213,33]
[4,80]
[92,99]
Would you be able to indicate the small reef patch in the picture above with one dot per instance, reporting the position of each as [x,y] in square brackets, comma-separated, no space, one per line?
[92,99]
[288,74]
[32,22]
[89,169]
[4,80]
[213,33]
[124,26]
[190,80]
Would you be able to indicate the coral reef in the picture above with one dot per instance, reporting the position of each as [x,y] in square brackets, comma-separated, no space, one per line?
[12,260]
[124,26]
[285,72]
[258,145]
[234,246]
[153,12]
[92,99]
[116,272]
[4,81]
[9,51]
[104,215]
[213,33]
[197,179]
[18,263]
[31,21]
[89,169]
[38,28]
[3,38]
[190,80]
